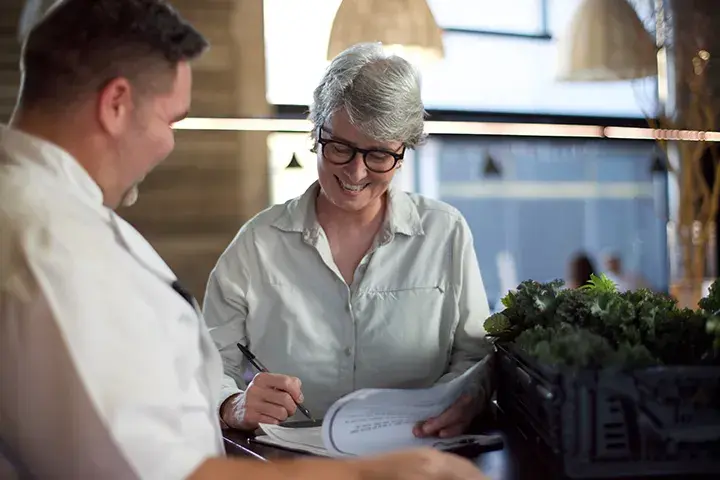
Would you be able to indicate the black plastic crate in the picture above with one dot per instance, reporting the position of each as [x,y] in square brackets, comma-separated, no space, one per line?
[609,423]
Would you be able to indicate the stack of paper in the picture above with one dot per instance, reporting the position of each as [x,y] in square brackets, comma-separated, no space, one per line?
[373,421]
[301,439]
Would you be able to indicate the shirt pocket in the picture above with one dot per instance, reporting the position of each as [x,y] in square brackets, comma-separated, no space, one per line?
[413,325]
[405,310]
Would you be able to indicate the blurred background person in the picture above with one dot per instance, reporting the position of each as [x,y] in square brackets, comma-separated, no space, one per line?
[615,271]
[579,269]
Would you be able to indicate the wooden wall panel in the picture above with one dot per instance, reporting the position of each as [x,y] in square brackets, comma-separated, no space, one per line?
[192,206]
[9,56]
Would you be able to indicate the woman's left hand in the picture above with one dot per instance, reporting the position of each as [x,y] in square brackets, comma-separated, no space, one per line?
[452,422]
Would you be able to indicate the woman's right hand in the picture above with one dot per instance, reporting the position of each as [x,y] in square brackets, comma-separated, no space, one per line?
[270,398]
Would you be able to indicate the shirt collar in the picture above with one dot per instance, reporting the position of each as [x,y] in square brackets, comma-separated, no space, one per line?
[22,147]
[402,215]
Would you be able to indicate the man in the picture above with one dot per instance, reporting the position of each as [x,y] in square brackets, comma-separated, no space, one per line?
[106,370]
[614,271]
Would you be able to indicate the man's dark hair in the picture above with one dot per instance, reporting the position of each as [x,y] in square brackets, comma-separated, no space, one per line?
[82,45]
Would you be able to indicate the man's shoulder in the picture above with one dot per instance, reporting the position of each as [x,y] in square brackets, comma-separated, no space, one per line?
[41,223]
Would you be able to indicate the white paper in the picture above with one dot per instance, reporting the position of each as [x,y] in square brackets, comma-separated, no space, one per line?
[372,421]
[378,420]
[304,439]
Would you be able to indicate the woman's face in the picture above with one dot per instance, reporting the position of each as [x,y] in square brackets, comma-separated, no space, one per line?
[353,186]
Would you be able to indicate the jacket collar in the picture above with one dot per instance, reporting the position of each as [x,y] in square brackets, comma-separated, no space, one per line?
[21,147]
[402,215]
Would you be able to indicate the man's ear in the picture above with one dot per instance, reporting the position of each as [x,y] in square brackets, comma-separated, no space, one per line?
[115,106]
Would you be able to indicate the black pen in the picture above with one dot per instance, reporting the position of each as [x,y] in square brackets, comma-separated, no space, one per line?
[258,365]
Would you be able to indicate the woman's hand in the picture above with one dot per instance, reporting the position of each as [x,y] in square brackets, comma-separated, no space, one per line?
[270,398]
[452,422]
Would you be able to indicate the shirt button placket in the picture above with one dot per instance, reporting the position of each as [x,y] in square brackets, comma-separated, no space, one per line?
[349,361]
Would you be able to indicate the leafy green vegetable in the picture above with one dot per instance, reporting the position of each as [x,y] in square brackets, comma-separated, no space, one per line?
[601,284]
[713,328]
[711,303]
[578,347]
[595,325]
[711,307]
[532,304]
[497,324]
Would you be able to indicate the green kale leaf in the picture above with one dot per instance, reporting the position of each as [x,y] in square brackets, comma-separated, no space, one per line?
[497,324]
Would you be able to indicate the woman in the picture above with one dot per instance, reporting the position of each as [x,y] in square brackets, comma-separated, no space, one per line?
[354,284]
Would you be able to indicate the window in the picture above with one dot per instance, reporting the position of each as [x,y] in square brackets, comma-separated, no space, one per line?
[551,200]
[520,17]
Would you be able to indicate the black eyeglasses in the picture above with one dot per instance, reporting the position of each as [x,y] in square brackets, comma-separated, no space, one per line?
[340,153]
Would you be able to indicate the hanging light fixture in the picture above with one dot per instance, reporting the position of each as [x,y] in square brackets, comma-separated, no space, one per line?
[658,165]
[405,27]
[490,167]
[294,163]
[606,41]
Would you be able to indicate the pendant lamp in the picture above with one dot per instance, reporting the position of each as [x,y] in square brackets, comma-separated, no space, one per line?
[491,168]
[405,27]
[606,41]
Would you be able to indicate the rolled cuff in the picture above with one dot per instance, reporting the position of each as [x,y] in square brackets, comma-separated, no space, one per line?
[239,407]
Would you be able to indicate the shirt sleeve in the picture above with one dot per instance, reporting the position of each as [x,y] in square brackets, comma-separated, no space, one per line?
[91,385]
[225,309]
[469,342]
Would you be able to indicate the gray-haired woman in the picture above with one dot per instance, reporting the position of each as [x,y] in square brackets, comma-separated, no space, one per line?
[355,284]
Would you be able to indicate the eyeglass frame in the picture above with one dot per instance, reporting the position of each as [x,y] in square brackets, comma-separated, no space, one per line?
[355,150]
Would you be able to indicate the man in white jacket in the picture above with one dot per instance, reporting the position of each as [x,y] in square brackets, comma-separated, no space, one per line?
[106,369]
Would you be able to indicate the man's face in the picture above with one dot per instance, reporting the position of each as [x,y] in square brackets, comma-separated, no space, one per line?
[147,137]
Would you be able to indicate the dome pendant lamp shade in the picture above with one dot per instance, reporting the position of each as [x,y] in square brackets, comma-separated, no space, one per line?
[405,27]
[606,41]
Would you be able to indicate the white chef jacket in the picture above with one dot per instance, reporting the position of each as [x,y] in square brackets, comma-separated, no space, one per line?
[105,371]
[413,315]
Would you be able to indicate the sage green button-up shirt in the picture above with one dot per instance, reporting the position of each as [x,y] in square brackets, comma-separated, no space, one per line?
[412,317]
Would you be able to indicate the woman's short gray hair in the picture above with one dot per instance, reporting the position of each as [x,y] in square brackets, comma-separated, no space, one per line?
[380,93]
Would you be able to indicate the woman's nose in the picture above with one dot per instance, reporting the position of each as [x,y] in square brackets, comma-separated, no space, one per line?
[356,169]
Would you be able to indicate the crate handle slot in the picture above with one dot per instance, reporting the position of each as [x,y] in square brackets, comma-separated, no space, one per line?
[694,434]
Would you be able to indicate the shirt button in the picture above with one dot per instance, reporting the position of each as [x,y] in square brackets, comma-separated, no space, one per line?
[348,351]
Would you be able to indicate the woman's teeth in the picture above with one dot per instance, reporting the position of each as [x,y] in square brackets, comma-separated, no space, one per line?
[352,188]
